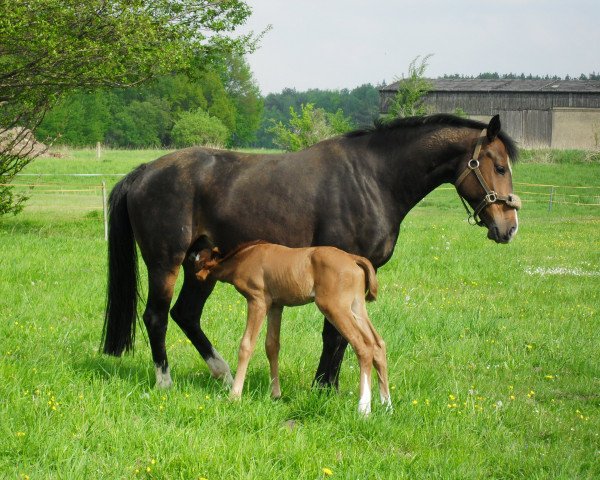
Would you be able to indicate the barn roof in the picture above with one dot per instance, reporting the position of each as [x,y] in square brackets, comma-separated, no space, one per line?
[506,85]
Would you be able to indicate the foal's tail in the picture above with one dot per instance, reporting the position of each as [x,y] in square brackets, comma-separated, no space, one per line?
[370,277]
[122,290]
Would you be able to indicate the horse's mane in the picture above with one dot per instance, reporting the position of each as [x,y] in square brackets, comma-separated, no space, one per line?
[381,126]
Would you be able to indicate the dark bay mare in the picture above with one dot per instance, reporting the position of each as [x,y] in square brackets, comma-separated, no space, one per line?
[351,192]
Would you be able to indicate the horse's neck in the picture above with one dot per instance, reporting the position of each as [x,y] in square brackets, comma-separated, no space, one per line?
[422,166]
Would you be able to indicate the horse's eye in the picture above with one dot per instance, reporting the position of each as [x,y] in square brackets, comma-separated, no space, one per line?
[500,169]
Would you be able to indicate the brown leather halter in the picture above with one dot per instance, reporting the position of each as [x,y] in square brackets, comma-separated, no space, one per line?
[511,200]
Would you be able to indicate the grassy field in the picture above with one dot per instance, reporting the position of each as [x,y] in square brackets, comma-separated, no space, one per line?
[492,349]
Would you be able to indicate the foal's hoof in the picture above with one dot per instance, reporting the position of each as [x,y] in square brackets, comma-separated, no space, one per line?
[235,397]
[364,409]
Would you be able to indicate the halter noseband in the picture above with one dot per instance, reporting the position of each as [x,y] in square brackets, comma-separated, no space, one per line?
[491,196]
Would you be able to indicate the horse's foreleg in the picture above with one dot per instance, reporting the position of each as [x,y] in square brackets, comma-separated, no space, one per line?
[160,292]
[272,347]
[186,313]
[256,316]
[334,346]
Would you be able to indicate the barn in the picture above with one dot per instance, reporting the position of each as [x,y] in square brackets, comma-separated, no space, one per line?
[537,113]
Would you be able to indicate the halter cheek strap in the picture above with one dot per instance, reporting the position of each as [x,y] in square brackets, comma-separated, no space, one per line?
[511,200]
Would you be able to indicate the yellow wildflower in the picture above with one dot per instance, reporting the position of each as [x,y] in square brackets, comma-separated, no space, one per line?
[327,472]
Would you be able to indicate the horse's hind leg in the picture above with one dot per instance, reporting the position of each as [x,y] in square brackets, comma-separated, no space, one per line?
[160,293]
[186,313]
[272,347]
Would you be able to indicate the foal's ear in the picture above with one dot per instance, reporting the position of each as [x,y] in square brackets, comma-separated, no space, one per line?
[493,129]
[202,274]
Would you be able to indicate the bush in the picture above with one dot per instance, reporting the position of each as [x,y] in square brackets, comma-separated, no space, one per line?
[409,100]
[199,128]
[309,127]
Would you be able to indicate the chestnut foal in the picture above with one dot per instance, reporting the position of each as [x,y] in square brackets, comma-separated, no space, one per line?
[272,276]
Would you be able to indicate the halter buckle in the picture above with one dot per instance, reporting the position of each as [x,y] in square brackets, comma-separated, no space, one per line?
[491,197]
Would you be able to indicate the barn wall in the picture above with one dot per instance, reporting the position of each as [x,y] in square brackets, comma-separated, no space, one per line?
[534,119]
[576,128]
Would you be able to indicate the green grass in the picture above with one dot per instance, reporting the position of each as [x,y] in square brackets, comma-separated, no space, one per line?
[492,351]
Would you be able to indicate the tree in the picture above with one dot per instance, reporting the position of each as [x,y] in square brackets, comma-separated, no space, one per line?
[309,127]
[227,91]
[199,128]
[51,47]
[141,124]
[409,100]
[80,119]
[360,105]
[245,95]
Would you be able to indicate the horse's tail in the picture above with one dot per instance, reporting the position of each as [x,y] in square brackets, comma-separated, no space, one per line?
[122,290]
[370,277]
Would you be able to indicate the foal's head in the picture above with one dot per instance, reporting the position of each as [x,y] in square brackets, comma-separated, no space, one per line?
[204,261]
[485,181]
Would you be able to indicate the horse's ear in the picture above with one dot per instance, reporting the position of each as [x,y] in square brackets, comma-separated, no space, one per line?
[493,129]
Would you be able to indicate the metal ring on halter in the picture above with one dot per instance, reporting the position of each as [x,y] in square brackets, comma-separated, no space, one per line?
[491,197]
[473,164]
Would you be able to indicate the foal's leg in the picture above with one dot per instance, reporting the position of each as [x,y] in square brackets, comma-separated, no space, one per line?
[160,292]
[343,320]
[187,311]
[379,358]
[272,347]
[256,316]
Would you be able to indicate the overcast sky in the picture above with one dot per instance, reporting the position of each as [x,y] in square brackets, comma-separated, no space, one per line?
[333,44]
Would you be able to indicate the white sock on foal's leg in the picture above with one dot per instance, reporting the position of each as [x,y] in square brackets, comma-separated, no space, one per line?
[364,403]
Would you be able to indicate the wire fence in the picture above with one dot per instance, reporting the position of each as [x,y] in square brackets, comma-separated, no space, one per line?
[72,194]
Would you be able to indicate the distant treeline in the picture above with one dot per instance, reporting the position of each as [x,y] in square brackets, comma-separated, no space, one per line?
[522,76]
[360,105]
[225,101]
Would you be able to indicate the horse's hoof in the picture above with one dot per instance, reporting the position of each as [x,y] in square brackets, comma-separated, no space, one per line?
[163,379]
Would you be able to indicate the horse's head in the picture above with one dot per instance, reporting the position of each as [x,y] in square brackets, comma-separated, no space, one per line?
[485,182]
[204,261]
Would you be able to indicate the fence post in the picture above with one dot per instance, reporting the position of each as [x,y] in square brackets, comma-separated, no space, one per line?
[104,210]
[98,150]
[551,198]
